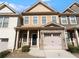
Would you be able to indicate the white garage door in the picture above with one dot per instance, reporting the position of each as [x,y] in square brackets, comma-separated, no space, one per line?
[52,41]
[3,44]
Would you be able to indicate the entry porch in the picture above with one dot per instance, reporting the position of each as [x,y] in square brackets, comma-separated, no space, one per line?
[27,37]
[73,36]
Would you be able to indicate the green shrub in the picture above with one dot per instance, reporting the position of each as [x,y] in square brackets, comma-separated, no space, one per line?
[73,49]
[4,53]
[26,48]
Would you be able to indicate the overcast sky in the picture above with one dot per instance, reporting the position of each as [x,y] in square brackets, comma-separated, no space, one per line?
[20,5]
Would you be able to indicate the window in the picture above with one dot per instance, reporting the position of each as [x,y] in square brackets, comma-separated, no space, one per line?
[54,19]
[1,19]
[26,20]
[35,19]
[73,20]
[4,22]
[4,39]
[64,20]
[47,34]
[43,20]
[56,34]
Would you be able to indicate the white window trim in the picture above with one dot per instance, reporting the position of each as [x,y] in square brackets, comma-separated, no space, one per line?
[75,20]
[51,18]
[46,20]
[33,20]
[8,22]
[3,23]
[66,20]
[24,19]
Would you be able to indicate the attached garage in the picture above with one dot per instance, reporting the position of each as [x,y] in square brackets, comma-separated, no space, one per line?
[52,37]
[52,41]
[3,44]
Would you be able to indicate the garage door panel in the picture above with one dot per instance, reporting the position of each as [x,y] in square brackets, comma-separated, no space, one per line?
[52,41]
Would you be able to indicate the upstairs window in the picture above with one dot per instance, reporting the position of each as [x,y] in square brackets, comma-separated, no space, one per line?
[64,20]
[26,20]
[54,19]
[35,19]
[43,20]
[4,22]
[1,20]
[73,20]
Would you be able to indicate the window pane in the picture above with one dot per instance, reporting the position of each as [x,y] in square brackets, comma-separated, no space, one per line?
[73,20]
[44,20]
[54,19]
[5,22]
[64,20]
[35,19]
[26,20]
[1,19]
[4,40]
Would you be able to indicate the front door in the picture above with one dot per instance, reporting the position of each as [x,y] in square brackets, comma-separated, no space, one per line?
[34,39]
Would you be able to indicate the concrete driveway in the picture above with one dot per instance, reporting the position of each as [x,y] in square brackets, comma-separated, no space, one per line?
[36,53]
[58,54]
[51,53]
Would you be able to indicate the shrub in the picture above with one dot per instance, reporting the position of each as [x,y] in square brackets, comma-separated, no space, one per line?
[26,48]
[73,49]
[4,53]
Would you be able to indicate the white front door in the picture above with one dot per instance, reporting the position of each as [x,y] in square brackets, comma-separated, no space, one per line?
[52,41]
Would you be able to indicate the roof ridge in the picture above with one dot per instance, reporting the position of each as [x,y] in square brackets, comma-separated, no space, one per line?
[42,3]
[70,6]
[7,5]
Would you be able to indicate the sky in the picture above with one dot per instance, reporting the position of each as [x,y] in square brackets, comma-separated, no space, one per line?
[20,5]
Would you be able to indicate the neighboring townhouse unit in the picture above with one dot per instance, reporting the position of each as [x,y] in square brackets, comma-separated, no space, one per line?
[8,20]
[70,20]
[40,28]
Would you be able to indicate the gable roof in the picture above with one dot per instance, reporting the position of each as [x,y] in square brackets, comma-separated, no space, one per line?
[6,5]
[40,2]
[69,8]
[54,24]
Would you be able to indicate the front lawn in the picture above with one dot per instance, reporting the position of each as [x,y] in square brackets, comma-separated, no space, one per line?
[3,54]
[73,49]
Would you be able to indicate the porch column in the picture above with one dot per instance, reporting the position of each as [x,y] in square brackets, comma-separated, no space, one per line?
[65,36]
[28,37]
[38,40]
[76,35]
[17,39]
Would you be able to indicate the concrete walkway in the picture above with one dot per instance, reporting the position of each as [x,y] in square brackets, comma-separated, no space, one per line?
[19,54]
[51,53]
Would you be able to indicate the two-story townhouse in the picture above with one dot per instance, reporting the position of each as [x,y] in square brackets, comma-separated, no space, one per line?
[8,20]
[40,28]
[70,20]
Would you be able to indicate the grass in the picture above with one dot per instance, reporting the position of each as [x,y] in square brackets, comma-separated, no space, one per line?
[3,54]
